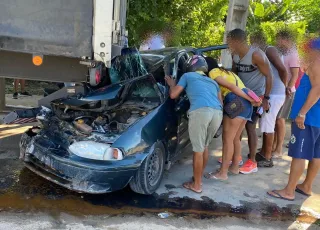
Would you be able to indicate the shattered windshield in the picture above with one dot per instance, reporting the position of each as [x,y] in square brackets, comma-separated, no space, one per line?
[144,90]
[127,67]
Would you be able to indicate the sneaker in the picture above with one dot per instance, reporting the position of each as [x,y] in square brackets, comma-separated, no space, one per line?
[25,94]
[240,161]
[259,157]
[249,167]
[15,96]
[263,162]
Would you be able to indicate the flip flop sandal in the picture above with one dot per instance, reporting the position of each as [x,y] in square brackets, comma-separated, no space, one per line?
[211,176]
[187,185]
[278,196]
[298,190]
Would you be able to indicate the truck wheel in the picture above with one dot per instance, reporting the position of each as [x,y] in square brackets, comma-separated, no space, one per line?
[149,176]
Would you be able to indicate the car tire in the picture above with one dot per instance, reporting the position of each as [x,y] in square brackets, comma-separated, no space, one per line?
[149,176]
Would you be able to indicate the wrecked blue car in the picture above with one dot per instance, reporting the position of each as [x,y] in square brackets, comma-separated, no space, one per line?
[126,133]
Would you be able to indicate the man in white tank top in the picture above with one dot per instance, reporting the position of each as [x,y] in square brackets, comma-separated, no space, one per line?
[277,97]
[253,68]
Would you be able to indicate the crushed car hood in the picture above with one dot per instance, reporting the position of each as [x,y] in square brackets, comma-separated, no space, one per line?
[105,93]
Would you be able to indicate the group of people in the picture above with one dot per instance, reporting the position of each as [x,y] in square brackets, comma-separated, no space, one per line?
[260,87]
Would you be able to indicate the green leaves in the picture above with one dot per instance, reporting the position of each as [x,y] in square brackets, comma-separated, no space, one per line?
[259,10]
[202,22]
[194,22]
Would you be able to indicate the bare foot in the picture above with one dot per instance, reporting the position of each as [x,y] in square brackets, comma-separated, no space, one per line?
[216,176]
[277,155]
[191,186]
[234,170]
[193,180]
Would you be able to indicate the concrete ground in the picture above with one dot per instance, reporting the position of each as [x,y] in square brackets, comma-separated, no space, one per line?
[239,189]
[241,194]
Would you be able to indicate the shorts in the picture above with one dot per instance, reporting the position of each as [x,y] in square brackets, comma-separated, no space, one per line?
[246,114]
[268,120]
[203,125]
[286,108]
[254,117]
[304,143]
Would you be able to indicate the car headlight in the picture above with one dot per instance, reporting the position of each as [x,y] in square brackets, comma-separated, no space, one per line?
[95,151]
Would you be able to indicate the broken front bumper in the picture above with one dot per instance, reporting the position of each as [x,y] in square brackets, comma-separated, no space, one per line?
[74,175]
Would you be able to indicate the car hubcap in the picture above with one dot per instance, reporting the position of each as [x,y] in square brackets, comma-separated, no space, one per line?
[155,166]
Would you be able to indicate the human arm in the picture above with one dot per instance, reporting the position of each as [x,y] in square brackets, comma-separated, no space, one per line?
[234,67]
[294,64]
[175,90]
[294,77]
[274,57]
[233,88]
[261,61]
[314,94]
[220,97]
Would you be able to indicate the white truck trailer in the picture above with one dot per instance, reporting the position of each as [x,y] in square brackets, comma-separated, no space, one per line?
[59,40]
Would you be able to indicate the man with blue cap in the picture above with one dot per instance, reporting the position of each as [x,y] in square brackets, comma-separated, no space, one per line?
[305,138]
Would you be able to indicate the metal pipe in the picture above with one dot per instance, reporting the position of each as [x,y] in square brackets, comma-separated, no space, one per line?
[2,94]
[211,48]
[237,18]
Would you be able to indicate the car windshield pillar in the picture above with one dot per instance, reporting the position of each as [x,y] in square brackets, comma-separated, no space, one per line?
[179,55]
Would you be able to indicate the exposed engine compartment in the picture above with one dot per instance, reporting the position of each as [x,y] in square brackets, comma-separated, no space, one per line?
[106,127]
[87,122]
[110,122]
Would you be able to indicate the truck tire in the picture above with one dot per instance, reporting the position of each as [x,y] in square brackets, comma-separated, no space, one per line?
[149,176]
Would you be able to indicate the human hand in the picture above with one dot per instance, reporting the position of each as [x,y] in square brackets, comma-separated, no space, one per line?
[265,105]
[288,92]
[170,81]
[256,104]
[300,122]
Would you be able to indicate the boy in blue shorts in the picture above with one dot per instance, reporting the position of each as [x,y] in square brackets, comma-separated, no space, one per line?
[305,138]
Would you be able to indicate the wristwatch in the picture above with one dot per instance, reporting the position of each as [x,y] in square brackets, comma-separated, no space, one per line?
[301,115]
[267,97]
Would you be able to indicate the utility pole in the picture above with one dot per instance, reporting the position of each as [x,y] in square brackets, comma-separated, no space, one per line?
[237,18]
[2,94]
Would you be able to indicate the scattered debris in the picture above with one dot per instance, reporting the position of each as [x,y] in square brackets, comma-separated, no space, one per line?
[164,215]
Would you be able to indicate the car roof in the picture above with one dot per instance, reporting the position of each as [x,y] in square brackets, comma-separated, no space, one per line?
[155,58]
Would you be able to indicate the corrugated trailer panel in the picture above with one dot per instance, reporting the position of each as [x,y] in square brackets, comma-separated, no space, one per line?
[49,27]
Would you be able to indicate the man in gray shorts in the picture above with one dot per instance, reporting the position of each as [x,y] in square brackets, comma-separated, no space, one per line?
[205,114]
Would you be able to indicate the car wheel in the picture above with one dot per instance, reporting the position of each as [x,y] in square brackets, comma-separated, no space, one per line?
[149,176]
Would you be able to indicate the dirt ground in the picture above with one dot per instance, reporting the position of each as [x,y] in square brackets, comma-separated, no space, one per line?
[33,87]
